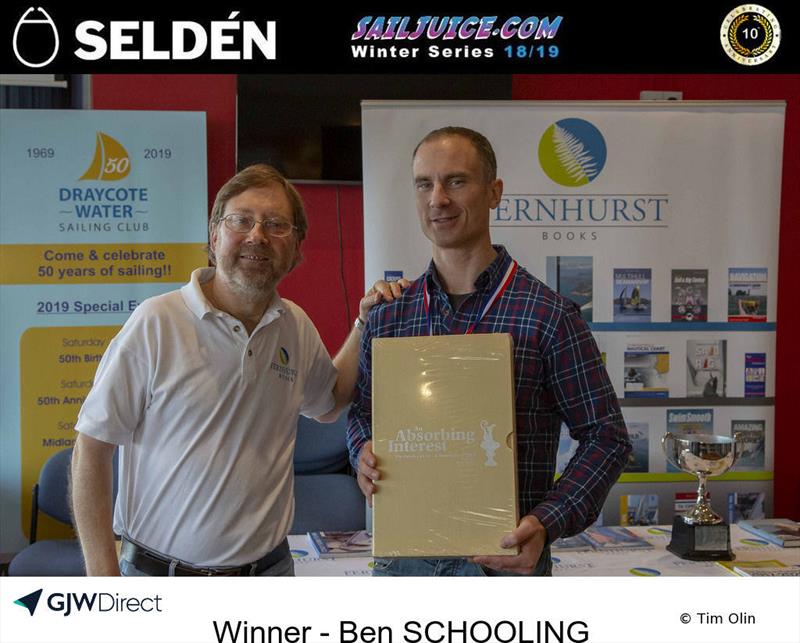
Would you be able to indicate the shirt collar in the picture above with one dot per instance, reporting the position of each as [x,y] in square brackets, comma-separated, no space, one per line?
[486,280]
[196,301]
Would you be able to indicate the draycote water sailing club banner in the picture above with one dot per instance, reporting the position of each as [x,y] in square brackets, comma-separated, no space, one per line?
[98,210]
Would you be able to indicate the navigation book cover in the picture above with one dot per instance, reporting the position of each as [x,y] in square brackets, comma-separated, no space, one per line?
[752,449]
[646,371]
[443,433]
[632,295]
[572,278]
[639,458]
[705,367]
[689,295]
[747,294]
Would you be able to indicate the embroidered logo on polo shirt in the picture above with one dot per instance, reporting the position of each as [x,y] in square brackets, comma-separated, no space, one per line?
[282,368]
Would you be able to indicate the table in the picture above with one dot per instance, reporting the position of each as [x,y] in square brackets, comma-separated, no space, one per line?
[645,562]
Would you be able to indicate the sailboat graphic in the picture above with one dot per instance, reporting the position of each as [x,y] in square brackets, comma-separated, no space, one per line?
[111,161]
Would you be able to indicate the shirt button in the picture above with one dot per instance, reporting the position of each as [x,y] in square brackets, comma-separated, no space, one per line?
[236,329]
[249,353]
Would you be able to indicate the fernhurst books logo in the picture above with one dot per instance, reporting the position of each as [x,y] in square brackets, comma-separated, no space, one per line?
[281,367]
[35,39]
[29,601]
[572,152]
[111,161]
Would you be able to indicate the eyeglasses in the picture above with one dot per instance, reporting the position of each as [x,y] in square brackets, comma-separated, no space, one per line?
[243,223]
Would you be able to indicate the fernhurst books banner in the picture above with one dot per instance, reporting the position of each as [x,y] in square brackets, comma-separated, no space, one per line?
[624,208]
[98,210]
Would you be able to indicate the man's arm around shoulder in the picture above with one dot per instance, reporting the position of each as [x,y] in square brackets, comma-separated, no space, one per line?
[91,488]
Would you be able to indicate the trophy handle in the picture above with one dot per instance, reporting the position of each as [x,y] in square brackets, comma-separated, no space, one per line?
[668,436]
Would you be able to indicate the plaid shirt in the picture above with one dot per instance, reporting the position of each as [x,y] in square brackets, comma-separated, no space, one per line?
[559,376]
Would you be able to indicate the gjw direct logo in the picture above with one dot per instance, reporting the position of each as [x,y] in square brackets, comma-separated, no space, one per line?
[71,602]
[572,152]
[36,40]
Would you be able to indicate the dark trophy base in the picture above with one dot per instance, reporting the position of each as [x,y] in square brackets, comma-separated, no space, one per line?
[700,542]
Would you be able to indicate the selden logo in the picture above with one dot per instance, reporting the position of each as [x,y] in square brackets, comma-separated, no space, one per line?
[30,601]
[70,602]
[572,152]
[35,39]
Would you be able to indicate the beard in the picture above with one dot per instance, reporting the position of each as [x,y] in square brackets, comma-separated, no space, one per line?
[253,283]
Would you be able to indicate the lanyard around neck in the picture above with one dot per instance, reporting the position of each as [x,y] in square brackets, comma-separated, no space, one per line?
[499,290]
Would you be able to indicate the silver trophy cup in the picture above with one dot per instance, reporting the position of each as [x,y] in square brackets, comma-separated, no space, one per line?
[701,533]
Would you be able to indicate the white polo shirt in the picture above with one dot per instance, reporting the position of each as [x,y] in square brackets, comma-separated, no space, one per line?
[207,417]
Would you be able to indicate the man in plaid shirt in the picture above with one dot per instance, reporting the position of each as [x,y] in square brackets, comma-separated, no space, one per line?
[559,374]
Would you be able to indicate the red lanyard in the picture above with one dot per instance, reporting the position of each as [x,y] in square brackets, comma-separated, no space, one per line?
[493,296]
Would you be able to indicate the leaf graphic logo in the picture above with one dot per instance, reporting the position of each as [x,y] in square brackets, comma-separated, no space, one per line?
[33,41]
[572,152]
[111,161]
[283,356]
[29,601]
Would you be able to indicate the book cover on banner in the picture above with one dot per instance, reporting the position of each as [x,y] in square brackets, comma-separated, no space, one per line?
[747,294]
[689,422]
[632,295]
[443,434]
[745,505]
[755,374]
[705,367]
[341,544]
[639,458]
[638,509]
[646,371]
[689,295]
[779,531]
[572,277]
[752,448]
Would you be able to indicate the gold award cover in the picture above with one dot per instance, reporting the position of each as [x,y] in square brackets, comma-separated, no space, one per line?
[443,433]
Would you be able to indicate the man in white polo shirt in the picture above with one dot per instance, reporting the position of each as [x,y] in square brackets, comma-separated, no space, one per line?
[202,389]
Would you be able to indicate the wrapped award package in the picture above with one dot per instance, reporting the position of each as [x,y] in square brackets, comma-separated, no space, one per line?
[443,433]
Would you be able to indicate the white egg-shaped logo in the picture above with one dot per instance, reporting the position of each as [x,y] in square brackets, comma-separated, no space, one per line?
[34,38]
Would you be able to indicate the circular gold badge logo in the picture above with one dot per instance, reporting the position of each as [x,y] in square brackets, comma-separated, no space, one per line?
[750,34]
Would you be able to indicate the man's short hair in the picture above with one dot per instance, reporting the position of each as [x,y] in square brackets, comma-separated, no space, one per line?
[481,144]
[260,175]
